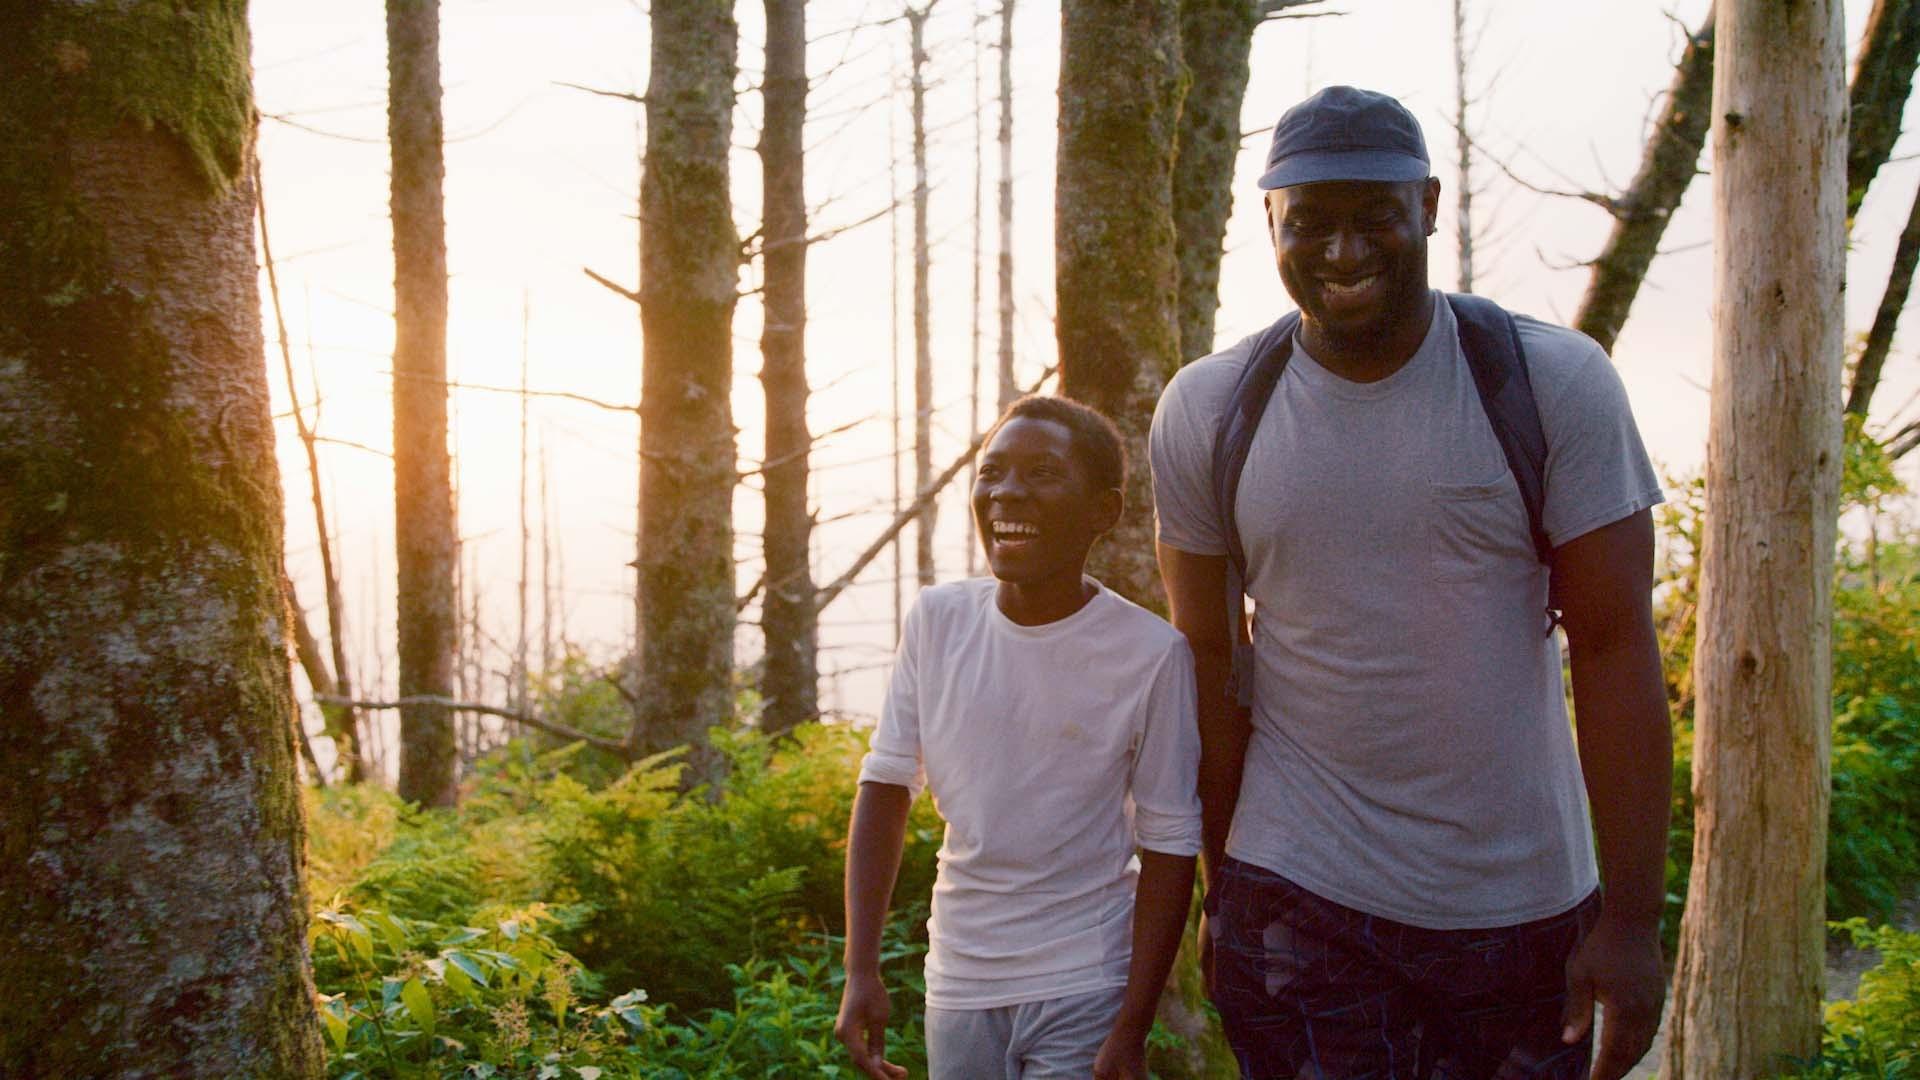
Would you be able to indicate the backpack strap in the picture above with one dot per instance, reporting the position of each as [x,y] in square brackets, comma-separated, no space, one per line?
[1490,340]
[1266,361]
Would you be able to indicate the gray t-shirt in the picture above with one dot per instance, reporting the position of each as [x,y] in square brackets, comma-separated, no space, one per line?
[1411,755]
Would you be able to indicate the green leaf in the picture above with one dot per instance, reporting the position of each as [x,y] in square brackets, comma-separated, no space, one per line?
[390,929]
[511,928]
[419,1005]
[336,1028]
[466,964]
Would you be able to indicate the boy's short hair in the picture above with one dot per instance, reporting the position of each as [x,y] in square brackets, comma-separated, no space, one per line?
[1096,442]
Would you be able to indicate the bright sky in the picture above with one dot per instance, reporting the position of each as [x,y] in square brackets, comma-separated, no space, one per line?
[542,181]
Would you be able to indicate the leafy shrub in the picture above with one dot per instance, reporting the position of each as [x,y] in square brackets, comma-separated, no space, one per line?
[1876,1036]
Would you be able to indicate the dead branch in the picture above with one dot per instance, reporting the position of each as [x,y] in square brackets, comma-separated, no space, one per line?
[620,290]
[519,716]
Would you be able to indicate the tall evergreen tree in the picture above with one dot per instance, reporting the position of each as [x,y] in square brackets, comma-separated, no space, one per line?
[1747,984]
[152,841]
[1121,84]
[689,271]
[426,538]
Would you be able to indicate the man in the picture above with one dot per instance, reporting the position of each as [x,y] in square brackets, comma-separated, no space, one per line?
[1401,880]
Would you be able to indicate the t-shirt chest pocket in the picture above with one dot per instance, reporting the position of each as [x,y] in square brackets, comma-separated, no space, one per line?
[1474,527]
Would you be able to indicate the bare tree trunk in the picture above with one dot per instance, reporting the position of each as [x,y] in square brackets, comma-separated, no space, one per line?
[1220,33]
[973,323]
[522,678]
[152,841]
[790,683]
[1121,85]
[689,269]
[1007,387]
[893,348]
[306,649]
[1463,142]
[1747,986]
[546,562]
[342,722]
[1882,81]
[425,535]
[922,305]
[1873,356]
[1640,215]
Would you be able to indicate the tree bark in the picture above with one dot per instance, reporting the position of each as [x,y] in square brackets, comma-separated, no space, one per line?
[306,650]
[1641,213]
[1882,81]
[152,841]
[1463,143]
[1121,84]
[1747,986]
[1007,388]
[1220,36]
[689,268]
[922,303]
[1873,356]
[425,536]
[789,684]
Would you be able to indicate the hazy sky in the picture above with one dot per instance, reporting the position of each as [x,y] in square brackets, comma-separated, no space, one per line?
[541,182]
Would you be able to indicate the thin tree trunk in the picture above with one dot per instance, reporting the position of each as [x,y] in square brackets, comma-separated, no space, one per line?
[1463,142]
[1220,33]
[1120,92]
[425,534]
[893,348]
[1640,215]
[1007,387]
[1882,81]
[1747,985]
[306,649]
[1873,356]
[342,723]
[973,323]
[152,841]
[522,678]
[546,563]
[790,682]
[922,303]
[689,270]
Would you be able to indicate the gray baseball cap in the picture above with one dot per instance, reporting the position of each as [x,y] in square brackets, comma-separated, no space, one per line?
[1344,133]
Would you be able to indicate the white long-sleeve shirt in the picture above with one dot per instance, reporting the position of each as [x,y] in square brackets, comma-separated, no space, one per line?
[1052,752]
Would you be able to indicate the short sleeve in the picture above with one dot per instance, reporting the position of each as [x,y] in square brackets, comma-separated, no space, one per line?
[1597,466]
[1180,452]
[893,753]
[1166,769]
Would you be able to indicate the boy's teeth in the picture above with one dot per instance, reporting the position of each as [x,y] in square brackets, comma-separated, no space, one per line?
[1014,528]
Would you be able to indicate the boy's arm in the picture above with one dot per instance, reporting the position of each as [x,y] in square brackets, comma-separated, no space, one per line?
[874,840]
[1159,918]
[1197,601]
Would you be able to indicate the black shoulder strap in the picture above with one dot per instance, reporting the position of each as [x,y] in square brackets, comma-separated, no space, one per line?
[1266,361]
[1490,339]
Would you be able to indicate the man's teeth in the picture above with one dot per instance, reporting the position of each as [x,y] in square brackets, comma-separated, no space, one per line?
[1337,289]
[1013,529]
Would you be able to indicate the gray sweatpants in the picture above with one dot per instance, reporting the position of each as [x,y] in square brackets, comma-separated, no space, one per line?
[1033,1040]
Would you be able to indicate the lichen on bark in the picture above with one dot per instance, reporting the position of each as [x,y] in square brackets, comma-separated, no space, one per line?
[151,836]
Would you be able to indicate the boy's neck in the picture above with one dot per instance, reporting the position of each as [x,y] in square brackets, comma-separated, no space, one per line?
[1039,603]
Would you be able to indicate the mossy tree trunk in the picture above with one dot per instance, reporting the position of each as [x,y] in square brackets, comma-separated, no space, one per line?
[1217,36]
[789,683]
[1747,983]
[151,835]
[425,536]
[1121,84]
[689,268]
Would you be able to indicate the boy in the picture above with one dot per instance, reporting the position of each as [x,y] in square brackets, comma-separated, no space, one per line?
[1054,722]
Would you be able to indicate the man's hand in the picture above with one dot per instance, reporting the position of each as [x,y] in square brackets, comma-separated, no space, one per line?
[1619,966]
[1123,1056]
[862,1026]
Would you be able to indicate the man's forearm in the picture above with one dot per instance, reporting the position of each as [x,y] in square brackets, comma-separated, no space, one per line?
[1626,755]
[874,840]
[1160,907]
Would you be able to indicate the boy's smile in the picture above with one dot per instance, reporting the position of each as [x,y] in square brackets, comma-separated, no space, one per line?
[1038,514]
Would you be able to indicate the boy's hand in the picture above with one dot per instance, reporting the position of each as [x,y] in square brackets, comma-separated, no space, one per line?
[862,1026]
[1123,1056]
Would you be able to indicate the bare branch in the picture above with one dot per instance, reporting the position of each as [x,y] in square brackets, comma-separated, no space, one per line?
[552,727]
[630,294]
[637,99]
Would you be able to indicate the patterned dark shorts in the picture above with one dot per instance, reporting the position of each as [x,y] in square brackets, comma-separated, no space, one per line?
[1312,990]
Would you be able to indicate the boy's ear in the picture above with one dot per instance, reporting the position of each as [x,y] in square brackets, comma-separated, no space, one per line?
[1109,505]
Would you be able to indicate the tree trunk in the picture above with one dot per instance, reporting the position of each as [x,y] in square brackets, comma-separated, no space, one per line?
[425,536]
[689,267]
[152,842]
[1463,142]
[922,305]
[1007,387]
[1640,215]
[306,650]
[789,685]
[1121,84]
[1882,81]
[1747,985]
[1220,33]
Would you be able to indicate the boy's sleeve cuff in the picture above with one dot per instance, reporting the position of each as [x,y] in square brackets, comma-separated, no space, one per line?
[894,769]
[1168,835]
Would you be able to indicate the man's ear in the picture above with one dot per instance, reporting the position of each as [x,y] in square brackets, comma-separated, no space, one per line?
[1266,200]
[1430,203]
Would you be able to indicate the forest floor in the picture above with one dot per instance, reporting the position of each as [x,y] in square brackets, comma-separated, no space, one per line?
[1845,965]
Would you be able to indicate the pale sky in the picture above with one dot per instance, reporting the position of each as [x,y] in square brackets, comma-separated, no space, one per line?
[542,181]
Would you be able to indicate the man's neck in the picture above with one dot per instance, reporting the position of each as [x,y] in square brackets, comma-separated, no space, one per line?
[1367,358]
